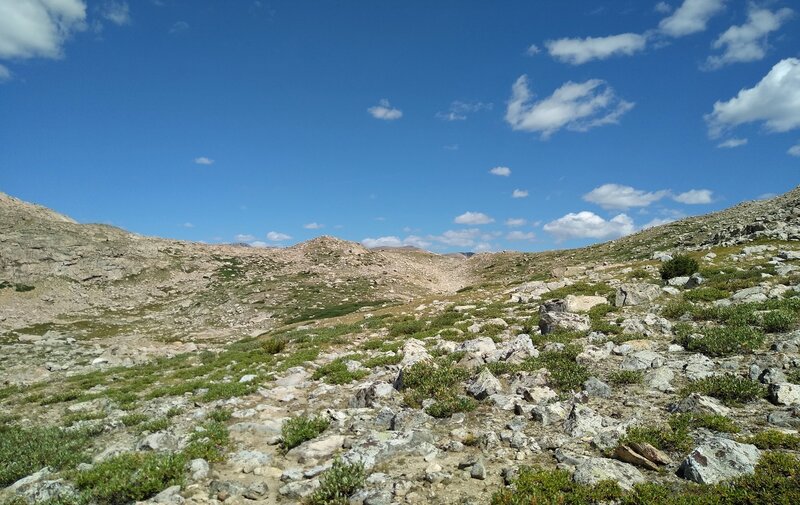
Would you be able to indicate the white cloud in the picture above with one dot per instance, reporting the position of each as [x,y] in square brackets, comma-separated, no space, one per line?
[775,101]
[244,237]
[501,171]
[574,106]
[275,236]
[5,74]
[691,17]
[794,150]
[617,196]
[458,238]
[533,50]
[731,143]
[519,193]
[38,28]
[451,147]
[188,225]
[578,51]
[385,111]
[658,222]
[766,196]
[392,241]
[202,160]
[116,12]
[589,225]
[520,235]
[663,8]
[458,110]
[748,42]
[313,226]
[179,27]
[695,197]
[512,222]
[473,218]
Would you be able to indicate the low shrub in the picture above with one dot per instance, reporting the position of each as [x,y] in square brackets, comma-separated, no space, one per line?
[299,429]
[679,266]
[730,389]
[338,484]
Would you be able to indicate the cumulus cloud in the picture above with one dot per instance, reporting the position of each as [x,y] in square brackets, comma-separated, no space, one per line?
[574,106]
[385,111]
[512,222]
[244,237]
[617,196]
[188,225]
[275,236]
[202,160]
[658,222]
[691,17]
[520,235]
[663,8]
[748,42]
[501,171]
[117,12]
[393,241]
[589,225]
[38,28]
[695,197]
[794,150]
[313,226]
[519,193]
[774,101]
[473,218]
[577,51]
[533,50]
[731,143]
[458,110]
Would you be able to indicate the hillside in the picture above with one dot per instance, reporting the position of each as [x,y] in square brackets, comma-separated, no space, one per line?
[226,374]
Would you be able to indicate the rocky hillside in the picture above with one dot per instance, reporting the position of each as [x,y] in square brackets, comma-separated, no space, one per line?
[141,369]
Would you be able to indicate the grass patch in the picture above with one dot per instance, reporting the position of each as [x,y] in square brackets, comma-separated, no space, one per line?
[297,430]
[724,341]
[439,381]
[580,288]
[625,377]
[225,390]
[24,451]
[336,372]
[209,441]
[730,389]
[706,294]
[338,484]
[130,477]
[774,439]
[554,487]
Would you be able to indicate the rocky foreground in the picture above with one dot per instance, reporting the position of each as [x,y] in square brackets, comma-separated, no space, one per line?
[613,374]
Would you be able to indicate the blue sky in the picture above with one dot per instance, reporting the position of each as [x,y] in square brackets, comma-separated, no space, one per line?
[451,125]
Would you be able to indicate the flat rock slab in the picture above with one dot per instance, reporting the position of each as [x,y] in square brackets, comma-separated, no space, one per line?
[719,459]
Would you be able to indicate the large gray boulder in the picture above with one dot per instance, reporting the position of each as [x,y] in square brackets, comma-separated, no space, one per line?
[636,294]
[719,459]
[784,393]
[591,471]
[552,321]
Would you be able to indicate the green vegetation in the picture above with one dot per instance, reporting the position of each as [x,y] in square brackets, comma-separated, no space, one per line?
[679,266]
[674,436]
[725,341]
[130,477]
[706,294]
[777,321]
[336,372]
[731,389]
[209,441]
[297,430]
[774,439]
[24,451]
[406,327]
[225,390]
[18,287]
[625,377]
[337,484]
[776,480]
[580,288]
[331,311]
[439,381]
[134,419]
[565,373]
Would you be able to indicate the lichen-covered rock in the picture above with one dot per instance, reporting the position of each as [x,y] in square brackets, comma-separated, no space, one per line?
[719,459]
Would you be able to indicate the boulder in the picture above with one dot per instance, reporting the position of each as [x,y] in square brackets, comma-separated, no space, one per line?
[552,321]
[784,393]
[630,294]
[591,471]
[484,385]
[719,459]
[583,303]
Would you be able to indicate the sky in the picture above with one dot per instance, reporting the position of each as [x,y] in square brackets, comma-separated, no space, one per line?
[454,125]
